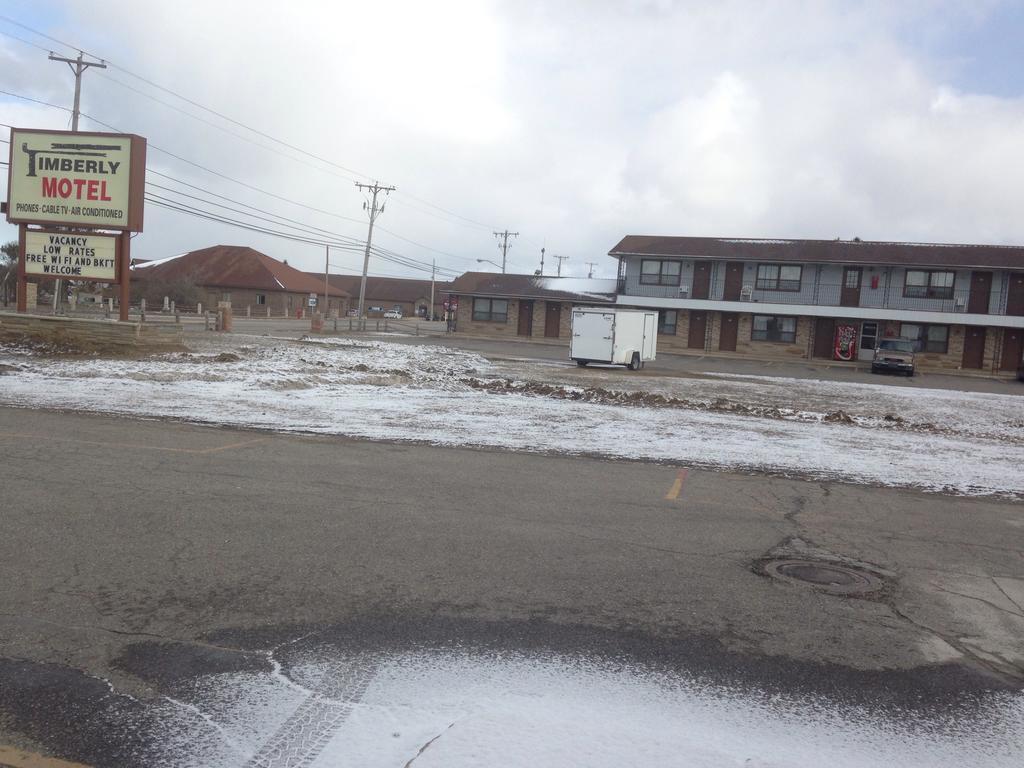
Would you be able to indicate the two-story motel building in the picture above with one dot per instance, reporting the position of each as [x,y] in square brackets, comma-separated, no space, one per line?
[963,305]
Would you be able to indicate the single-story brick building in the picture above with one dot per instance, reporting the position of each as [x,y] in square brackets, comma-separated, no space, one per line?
[411,296]
[253,282]
[526,306]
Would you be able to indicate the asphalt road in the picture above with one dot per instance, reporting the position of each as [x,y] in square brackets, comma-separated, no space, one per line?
[133,550]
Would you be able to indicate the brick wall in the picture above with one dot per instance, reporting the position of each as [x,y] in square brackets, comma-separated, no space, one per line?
[510,328]
[277,301]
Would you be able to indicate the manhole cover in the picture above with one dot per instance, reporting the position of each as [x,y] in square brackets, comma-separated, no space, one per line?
[830,577]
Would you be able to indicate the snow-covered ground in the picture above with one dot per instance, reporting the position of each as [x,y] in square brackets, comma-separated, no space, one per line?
[938,440]
[454,709]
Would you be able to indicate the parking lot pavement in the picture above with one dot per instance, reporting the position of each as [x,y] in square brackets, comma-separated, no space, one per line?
[668,363]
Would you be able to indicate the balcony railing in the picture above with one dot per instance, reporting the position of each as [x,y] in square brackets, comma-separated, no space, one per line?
[826,295]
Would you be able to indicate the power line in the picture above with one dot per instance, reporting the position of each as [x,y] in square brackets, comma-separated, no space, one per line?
[254,188]
[241,124]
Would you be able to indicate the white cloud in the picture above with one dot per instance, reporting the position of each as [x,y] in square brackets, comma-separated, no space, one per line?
[573,123]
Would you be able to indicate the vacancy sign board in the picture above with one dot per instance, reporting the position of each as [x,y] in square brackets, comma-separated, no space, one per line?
[75,179]
[73,256]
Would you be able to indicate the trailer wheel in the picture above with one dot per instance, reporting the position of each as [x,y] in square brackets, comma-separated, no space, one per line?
[634,363]
[581,363]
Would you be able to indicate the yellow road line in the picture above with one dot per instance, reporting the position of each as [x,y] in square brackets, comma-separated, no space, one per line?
[17,758]
[677,486]
[136,446]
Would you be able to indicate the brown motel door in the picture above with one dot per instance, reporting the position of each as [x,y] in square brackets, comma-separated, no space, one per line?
[701,280]
[1013,348]
[698,330]
[981,289]
[727,338]
[824,337]
[552,319]
[525,318]
[850,296]
[1015,295]
[974,347]
[733,281]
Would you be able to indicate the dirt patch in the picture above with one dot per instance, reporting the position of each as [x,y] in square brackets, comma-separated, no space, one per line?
[227,357]
[641,399]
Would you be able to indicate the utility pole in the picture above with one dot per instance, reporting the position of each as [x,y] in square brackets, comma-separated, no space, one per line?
[433,271]
[327,264]
[504,236]
[542,262]
[78,66]
[370,206]
[560,260]
[590,264]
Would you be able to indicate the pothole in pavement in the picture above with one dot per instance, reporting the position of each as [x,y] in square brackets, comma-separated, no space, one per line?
[830,577]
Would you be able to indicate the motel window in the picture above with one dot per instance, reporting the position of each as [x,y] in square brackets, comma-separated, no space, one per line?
[261,299]
[490,310]
[926,338]
[779,277]
[771,328]
[659,272]
[667,322]
[928,284]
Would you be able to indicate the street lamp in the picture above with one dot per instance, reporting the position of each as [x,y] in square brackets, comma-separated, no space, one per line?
[488,261]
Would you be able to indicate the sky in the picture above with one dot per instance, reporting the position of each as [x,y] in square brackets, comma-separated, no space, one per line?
[573,123]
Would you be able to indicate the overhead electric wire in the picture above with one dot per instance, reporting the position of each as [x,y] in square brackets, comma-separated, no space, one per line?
[199,213]
[382,253]
[26,42]
[241,124]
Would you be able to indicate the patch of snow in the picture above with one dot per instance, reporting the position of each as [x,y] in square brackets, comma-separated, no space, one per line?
[157,262]
[590,287]
[946,441]
[457,710]
[753,240]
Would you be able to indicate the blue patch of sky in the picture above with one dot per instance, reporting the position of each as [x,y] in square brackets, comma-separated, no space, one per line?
[974,49]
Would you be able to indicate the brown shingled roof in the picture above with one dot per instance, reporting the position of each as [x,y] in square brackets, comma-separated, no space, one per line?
[815,251]
[400,289]
[532,287]
[234,266]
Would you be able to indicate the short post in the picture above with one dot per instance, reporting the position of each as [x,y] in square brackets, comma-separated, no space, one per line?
[173,310]
[110,306]
[199,308]
[167,303]
[177,318]
[335,322]
[268,311]
[206,321]
[224,314]
[248,310]
[142,305]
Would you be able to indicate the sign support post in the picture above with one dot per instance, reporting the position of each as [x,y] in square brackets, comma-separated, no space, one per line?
[22,281]
[124,272]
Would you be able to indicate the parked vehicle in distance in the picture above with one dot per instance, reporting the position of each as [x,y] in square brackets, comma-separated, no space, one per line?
[617,336]
[894,355]
[393,314]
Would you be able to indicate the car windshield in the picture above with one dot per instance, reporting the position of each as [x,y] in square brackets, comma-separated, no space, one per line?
[896,345]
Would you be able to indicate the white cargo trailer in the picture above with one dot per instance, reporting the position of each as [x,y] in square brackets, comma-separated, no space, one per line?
[617,336]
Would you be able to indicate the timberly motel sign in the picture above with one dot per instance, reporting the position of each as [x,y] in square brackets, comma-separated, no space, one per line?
[76,198]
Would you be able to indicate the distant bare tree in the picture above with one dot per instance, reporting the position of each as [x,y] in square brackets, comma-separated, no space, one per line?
[183,291]
[9,272]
